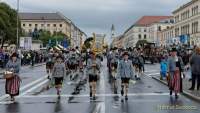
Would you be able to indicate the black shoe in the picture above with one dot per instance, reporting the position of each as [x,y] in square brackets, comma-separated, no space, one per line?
[90,95]
[170,93]
[122,92]
[176,96]
[191,89]
[126,97]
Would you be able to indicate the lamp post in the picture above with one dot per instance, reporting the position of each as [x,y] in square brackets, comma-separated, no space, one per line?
[17,24]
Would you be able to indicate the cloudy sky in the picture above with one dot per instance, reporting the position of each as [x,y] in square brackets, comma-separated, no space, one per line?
[98,15]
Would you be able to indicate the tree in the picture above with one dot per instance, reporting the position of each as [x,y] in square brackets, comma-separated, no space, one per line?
[46,36]
[8,24]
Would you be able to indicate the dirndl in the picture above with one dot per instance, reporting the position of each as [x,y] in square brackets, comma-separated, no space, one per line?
[12,86]
[174,82]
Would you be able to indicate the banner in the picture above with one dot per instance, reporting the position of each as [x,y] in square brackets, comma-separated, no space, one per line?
[26,43]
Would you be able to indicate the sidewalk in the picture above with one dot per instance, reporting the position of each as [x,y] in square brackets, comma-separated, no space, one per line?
[186,85]
[26,66]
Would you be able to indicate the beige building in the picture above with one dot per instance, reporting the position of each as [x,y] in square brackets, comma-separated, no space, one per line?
[145,28]
[167,37]
[187,21]
[52,22]
[156,28]
[118,41]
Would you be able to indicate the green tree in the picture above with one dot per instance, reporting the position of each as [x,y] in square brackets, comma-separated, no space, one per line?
[8,24]
[45,36]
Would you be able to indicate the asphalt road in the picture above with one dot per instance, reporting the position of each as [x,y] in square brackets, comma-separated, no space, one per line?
[146,96]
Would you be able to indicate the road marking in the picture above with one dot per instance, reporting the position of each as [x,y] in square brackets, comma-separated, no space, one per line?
[33,88]
[149,71]
[98,95]
[24,87]
[150,75]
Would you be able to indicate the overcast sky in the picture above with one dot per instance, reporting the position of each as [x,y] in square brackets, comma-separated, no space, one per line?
[98,15]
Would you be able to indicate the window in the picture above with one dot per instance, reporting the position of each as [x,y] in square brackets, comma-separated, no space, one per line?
[167,27]
[145,30]
[48,25]
[159,28]
[42,25]
[145,36]
[195,27]
[54,25]
[139,36]
[24,25]
[195,10]
[30,25]
[36,25]
[60,25]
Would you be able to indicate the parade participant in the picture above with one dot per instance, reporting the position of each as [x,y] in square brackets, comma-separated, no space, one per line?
[73,63]
[58,73]
[113,71]
[49,63]
[163,68]
[175,65]
[125,72]
[195,67]
[13,84]
[93,69]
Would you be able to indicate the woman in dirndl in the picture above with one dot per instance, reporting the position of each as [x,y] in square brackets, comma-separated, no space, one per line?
[175,64]
[13,84]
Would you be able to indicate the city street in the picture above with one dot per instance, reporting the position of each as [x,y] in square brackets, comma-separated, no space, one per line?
[147,95]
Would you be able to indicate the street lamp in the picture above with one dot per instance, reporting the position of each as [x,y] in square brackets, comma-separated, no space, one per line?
[17,24]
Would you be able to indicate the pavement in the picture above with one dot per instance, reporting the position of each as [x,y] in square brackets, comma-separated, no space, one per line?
[186,83]
[145,96]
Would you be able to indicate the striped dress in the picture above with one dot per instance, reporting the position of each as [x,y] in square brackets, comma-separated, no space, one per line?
[12,85]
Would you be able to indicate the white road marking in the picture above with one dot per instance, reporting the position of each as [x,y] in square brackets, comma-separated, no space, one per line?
[98,95]
[25,87]
[149,71]
[150,75]
[33,88]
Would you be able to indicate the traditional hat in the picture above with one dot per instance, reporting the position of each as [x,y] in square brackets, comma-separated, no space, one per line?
[173,50]
[125,53]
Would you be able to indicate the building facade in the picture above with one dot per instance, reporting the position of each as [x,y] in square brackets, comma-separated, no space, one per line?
[52,22]
[146,28]
[118,41]
[187,22]
[167,37]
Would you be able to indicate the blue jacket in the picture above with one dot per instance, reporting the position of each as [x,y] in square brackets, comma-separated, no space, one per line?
[163,66]
[125,69]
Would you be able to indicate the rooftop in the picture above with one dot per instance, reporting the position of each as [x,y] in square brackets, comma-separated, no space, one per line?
[147,20]
[184,6]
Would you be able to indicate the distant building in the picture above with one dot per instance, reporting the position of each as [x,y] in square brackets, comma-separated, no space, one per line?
[145,28]
[118,41]
[167,37]
[52,22]
[187,22]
